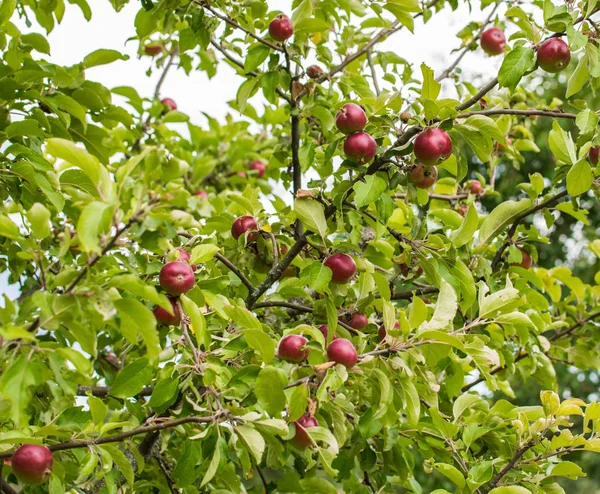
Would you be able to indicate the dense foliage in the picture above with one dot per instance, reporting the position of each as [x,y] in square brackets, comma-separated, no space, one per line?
[341,289]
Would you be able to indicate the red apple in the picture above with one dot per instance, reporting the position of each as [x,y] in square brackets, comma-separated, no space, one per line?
[163,316]
[358,320]
[476,188]
[360,147]
[325,331]
[342,267]
[382,333]
[594,155]
[342,351]
[526,260]
[241,174]
[292,348]
[301,439]
[493,41]
[201,193]
[281,28]
[314,72]
[423,176]
[462,209]
[184,255]
[176,277]
[554,55]
[432,146]
[168,102]
[350,119]
[245,224]
[259,167]
[153,49]
[32,464]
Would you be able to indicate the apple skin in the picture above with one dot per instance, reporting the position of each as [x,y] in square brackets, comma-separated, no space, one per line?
[32,464]
[163,317]
[342,351]
[423,176]
[594,155]
[493,41]
[342,266]
[432,146]
[325,331]
[358,320]
[314,72]
[382,333]
[462,209]
[153,49]
[184,255]
[169,103]
[244,224]
[526,259]
[476,188]
[291,348]
[360,147]
[301,439]
[202,194]
[176,277]
[554,55]
[350,119]
[259,167]
[281,28]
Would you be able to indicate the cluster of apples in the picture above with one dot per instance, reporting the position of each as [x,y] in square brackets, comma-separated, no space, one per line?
[358,146]
[32,464]
[432,146]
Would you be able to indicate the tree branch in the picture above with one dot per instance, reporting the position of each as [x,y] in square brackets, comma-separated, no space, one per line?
[373,72]
[526,113]
[102,391]
[236,271]
[6,487]
[418,291]
[440,197]
[163,76]
[509,466]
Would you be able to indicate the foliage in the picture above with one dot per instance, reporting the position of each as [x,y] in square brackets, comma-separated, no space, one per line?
[97,197]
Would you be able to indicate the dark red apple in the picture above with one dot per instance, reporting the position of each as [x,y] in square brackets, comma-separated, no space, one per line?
[594,155]
[163,316]
[168,102]
[350,119]
[476,188]
[245,224]
[342,351]
[184,255]
[259,167]
[358,320]
[176,277]
[526,259]
[301,439]
[382,333]
[360,147]
[292,348]
[32,464]
[423,176]
[554,55]
[432,146]
[493,41]
[325,331]
[342,267]
[281,28]
[201,193]
[314,72]
[153,49]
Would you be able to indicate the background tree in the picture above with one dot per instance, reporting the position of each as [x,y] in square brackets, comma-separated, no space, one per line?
[184,326]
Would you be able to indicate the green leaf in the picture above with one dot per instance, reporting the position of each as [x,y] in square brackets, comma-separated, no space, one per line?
[7,7]
[98,409]
[451,472]
[431,88]
[137,319]
[212,466]
[567,469]
[164,394]
[368,192]
[15,383]
[500,218]
[27,127]
[385,393]
[403,17]
[480,143]
[94,220]
[245,91]
[317,276]
[561,144]
[132,379]
[515,64]
[253,441]
[203,252]
[312,25]
[579,178]
[445,309]
[197,322]
[411,400]
[297,402]
[39,219]
[256,55]
[586,121]
[467,229]
[37,41]
[269,390]
[579,77]
[8,229]
[487,126]
[258,340]
[510,489]
[122,462]
[312,215]
[103,57]
[134,285]
[244,317]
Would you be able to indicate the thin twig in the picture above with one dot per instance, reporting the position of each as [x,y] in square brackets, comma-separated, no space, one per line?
[526,113]
[509,466]
[102,391]
[373,72]
[163,76]
[236,271]
[440,197]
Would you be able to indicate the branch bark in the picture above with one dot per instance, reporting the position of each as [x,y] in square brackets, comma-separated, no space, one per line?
[236,271]
[509,466]
[526,113]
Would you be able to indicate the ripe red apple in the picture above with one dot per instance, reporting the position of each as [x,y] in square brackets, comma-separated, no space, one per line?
[360,147]
[342,266]
[153,49]
[176,277]
[342,351]
[594,155]
[184,255]
[325,331]
[493,41]
[163,316]
[350,119]
[168,102]
[301,439]
[259,167]
[554,55]
[423,176]
[526,260]
[201,193]
[432,146]
[32,464]
[476,188]
[281,28]
[358,320]
[314,72]
[292,348]
[245,224]
[382,333]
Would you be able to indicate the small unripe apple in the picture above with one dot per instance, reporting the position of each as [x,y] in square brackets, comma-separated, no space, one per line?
[554,55]
[594,155]
[153,49]
[201,193]
[168,102]
[423,176]
[32,464]
[301,439]
[163,316]
[281,28]
[405,116]
[176,278]
[342,267]
[245,224]
[259,167]
[360,147]
[325,331]
[292,348]
[314,72]
[493,41]
[476,188]
[526,259]
[405,270]
[358,320]
[382,333]
[342,351]
[350,119]
[462,209]
[432,146]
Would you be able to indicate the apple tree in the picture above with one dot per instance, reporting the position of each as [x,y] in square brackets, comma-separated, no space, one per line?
[330,289]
